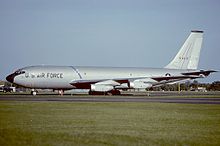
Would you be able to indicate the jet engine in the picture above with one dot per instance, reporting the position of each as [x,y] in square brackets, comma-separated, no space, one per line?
[139,85]
[101,87]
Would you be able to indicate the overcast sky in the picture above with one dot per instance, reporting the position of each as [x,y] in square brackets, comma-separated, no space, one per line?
[127,33]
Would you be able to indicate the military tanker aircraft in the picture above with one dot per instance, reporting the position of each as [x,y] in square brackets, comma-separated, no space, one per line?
[111,80]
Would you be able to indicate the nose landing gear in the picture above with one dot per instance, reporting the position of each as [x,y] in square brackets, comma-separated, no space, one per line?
[60,92]
[34,92]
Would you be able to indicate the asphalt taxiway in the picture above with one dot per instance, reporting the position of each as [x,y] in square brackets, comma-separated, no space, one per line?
[190,99]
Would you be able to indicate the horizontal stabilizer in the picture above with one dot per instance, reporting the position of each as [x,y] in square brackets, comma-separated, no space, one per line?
[200,73]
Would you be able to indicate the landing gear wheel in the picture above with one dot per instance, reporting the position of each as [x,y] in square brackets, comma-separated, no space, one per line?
[116,92]
[90,92]
[113,92]
[96,93]
[33,93]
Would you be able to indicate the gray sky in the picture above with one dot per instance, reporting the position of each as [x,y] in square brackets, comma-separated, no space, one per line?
[130,33]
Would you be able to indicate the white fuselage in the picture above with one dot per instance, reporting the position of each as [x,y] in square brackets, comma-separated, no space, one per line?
[60,77]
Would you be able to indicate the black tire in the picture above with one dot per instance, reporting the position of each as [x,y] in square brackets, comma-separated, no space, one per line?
[112,92]
[96,93]
[115,92]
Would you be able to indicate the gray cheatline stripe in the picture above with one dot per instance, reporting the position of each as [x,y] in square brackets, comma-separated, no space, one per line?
[77,71]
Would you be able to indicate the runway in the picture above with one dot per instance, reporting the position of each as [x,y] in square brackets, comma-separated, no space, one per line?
[76,98]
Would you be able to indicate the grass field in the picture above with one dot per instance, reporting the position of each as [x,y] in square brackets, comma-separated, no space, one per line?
[69,123]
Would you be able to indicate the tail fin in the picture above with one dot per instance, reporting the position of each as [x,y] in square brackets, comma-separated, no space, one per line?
[188,55]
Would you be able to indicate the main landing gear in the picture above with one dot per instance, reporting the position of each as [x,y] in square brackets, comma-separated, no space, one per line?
[112,92]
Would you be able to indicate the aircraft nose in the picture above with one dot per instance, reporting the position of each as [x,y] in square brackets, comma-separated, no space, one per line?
[10,78]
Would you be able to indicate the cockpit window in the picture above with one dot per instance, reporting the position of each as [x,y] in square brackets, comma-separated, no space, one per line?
[18,72]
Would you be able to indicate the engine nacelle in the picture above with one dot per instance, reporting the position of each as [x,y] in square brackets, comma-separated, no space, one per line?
[139,84]
[101,88]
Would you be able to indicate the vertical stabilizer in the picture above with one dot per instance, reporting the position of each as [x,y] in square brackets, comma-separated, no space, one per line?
[188,55]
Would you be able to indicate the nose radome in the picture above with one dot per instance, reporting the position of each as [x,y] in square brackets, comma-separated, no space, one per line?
[10,78]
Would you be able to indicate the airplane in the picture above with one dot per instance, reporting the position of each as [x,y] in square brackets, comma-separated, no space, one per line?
[111,80]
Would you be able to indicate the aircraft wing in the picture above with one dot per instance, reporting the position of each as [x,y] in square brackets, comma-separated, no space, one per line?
[141,82]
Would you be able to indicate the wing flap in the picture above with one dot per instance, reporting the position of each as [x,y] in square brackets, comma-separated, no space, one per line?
[173,78]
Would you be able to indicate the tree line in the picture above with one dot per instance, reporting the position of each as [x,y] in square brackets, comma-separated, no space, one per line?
[188,86]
